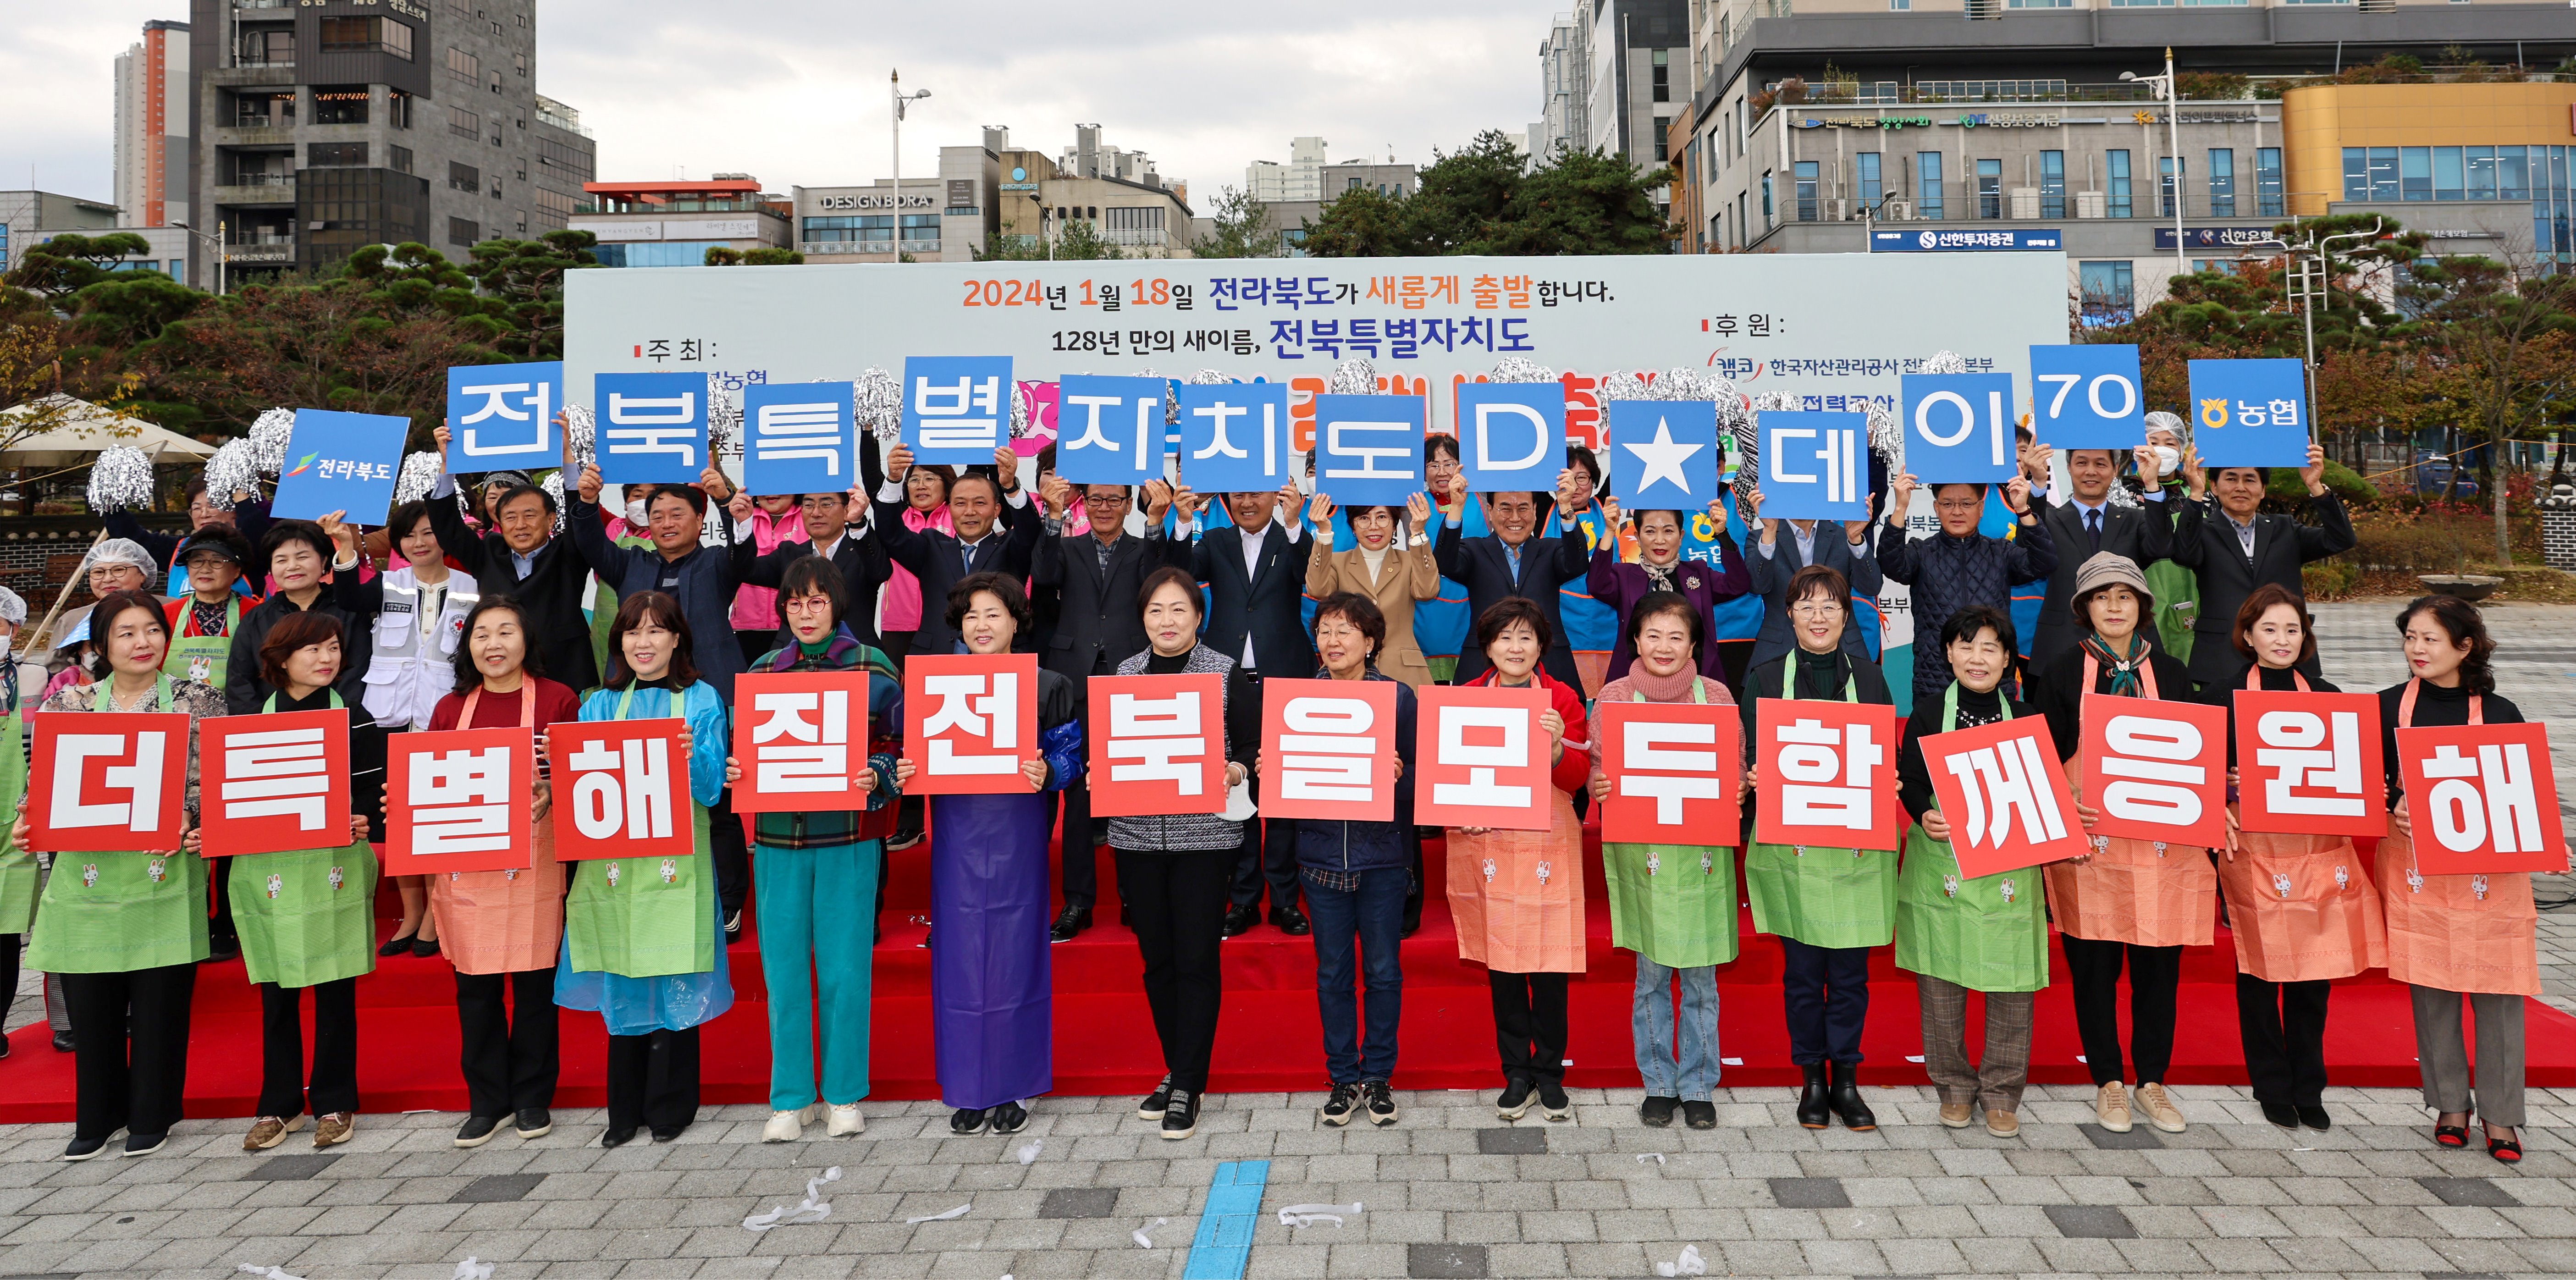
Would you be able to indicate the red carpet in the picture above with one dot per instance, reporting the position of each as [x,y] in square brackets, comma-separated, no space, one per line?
[1269,1038]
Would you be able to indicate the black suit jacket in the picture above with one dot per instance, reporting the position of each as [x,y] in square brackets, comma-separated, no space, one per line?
[2143,533]
[1547,564]
[1771,576]
[1263,603]
[2204,541]
[1098,624]
[864,567]
[551,593]
[935,559]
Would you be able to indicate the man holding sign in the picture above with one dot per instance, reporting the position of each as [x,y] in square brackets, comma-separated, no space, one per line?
[1957,567]
[2235,549]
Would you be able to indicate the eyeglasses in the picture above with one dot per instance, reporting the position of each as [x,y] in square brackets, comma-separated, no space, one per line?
[1948,504]
[807,604]
[1816,609]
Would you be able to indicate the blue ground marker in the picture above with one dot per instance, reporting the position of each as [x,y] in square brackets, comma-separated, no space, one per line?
[1223,1246]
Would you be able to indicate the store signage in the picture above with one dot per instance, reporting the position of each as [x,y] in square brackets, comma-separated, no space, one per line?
[909,200]
[2219,237]
[1863,122]
[2009,120]
[1962,241]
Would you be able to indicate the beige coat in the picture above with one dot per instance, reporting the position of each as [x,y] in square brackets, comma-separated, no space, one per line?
[1406,575]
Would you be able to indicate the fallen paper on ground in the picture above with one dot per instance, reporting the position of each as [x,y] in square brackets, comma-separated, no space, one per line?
[267,1273]
[472,1269]
[1688,1265]
[1656,1156]
[1029,1152]
[1307,1215]
[951,1215]
[814,1208]
[1142,1241]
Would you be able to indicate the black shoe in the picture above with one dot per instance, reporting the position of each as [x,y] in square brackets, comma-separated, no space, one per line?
[218,950]
[1181,1119]
[144,1144]
[1345,1102]
[617,1137]
[668,1132]
[903,839]
[1699,1114]
[1124,919]
[966,1122]
[1072,922]
[1515,1102]
[733,927]
[1292,922]
[1657,1113]
[4,1047]
[1553,1102]
[477,1130]
[84,1148]
[1010,1117]
[1157,1102]
[2282,1114]
[1239,918]
[2315,1118]
[1844,1097]
[1815,1105]
[394,947]
[424,948]
[534,1122]
[1381,1102]
[63,1042]
[1412,926]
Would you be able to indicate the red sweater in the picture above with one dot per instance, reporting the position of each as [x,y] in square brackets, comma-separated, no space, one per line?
[1573,769]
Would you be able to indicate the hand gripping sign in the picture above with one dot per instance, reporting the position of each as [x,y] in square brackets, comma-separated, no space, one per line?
[108,782]
[1327,750]
[1484,759]
[621,789]
[2156,770]
[2005,797]
[2308,764]
[801,738]
[1157,745]
[969,721]
[503,415]
[458,800]
[2481,798]
[1822,769]
[1672,767]
[274,783]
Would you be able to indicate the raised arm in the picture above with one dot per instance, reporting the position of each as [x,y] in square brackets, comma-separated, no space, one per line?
[2331,534]
[454,537]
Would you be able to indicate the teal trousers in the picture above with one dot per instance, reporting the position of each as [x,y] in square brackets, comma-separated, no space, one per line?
[817,926]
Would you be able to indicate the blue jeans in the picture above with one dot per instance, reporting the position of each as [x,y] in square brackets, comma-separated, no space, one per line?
[1373,916]
[1692,1074]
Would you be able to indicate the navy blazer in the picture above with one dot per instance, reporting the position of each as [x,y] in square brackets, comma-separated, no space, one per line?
[1266,603]
[1771,576]
[934,558]
[2143,533]
[2204,541]
[1099,622]
[1481,565]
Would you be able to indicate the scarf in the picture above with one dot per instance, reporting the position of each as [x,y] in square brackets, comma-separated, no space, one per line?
[1672,688]
[2123,671]
[1660,577]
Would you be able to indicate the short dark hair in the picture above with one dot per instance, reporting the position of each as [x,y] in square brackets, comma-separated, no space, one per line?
[2262,475]
[1001,586]
[808,575]
[2465,625]
[293,632]
[1976,486]
[1637,519]
[305,531]
[1169,574]
[516,492]
[1501,614]
[398,526]
[633,612]
[469,676]
[196,485]
[103,616]
[2261,602]
[1359,611]
[1967,622]
[1658,603]
[976,475]
[1437,443]
[1805,583]
[1578,456]
[947,476]
[690,494]
[1394,511]
[1127,491]
[1046,458]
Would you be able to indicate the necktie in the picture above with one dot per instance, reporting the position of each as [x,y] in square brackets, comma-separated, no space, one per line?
[967,551]
[2093,526]
[1514,553]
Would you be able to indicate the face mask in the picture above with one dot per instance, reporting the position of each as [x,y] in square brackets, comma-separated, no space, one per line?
[2167,459]
[635,513]
[1305,484]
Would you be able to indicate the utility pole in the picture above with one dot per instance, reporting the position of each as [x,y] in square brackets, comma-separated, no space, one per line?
[2308,282]
[2164,86]
[901,100]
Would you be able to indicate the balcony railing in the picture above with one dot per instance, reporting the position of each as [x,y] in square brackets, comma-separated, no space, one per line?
[262,180]
[1970,202]
[876,248]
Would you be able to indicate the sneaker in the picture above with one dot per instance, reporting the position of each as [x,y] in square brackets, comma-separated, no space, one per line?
[2315,1118]
[903,839]
[1010,1117]
[2160,1109]
[1657,1113]
[1381,1102]
[1553,1102]
[966,1122]
[334,1128]
[268,1131]
[84,1148]
[1181,1119]
[1338,1108]
[144,1144]
[845,1120]
[2003,1124]
[1954,1115]
[1699,1113]
[2111,1107]
[1157,1102]
[784,1126]
[1516,1099]
[533,1122]
[477,1130]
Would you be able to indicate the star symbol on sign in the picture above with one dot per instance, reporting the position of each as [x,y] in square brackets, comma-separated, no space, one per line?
[1662,457]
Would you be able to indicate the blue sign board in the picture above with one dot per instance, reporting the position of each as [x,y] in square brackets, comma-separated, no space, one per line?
[1815,465]
[1663,455]
[341,462]
[501,417]
[1368,449]
[1511,435]
[2085,396]
[1234,437]
[956,409]
[652,427]
[1109,430]
[1959,427]
[2249,413]
[797,438]
[1963,241]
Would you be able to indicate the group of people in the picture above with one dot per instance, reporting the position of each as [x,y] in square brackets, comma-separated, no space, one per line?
[494,610]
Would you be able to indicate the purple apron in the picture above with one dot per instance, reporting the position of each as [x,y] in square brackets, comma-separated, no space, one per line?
[991,992]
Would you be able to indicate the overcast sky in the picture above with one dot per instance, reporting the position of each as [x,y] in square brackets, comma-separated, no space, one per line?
[794,91]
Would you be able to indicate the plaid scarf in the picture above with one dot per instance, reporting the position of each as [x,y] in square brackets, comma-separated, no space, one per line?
[2123,671]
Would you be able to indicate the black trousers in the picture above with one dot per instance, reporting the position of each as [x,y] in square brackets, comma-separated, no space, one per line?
[1268,855]
[732,854]
[1824,992]
[1081,882]
[1529,1025]
[2284,1028]
[129,1079]
[1176,905]
[653,1080]
[335,1049]
[2154,972]
[510,1062]
[13,949]
[755,643]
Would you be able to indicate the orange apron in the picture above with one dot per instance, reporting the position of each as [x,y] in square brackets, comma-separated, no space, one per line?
[1517,896]
[2146,893]
[2301,906]
[2456,933]
[502,921]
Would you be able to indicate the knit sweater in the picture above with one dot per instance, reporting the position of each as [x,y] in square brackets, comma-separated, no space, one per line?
[1948,574]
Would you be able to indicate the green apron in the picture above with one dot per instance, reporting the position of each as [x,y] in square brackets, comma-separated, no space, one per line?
[1673,904]
[2177,595]
[202,658]
[645,917]
[1822,897]
[1985,933]
[306,916]
[17,866]
[120,912]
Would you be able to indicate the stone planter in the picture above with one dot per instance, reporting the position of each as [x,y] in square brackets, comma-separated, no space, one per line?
[2466,586]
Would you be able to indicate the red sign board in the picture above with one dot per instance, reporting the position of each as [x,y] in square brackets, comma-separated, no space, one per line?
[1825,774]
[2156,770]
[273,783]
[801,738]
[621,789]
[1673,769]
[458,800]
[107,782]
[2481,798]
[2308,764]
[1484,759]
[2004,796]
[1328,750]
[1157,745]
[969,721]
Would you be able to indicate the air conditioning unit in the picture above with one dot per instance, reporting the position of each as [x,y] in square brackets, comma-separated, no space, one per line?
[2088,204]
[1838,211]
[1898,211]
[2025,204]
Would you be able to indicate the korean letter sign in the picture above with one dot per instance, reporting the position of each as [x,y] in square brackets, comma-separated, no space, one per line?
[1110,430]
[797,438]
[1823,768]
[108,782]
[969,722]
[652,427]
[1815,465]
[2156,770]
[1672,769]
[1157,745]
[341,462]
[458,800]
[801,738]
[621,789]
[2308,764]
[502,416]
[2250,413]
[956,409]
[1234,437]
[1484,759]
[2004,796]
[1328,749]
[274,783]
[2481,798]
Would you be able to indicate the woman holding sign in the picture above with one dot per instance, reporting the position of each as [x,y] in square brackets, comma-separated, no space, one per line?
[1958,933]
[125,930]
[1659,568]
[1681,925]
[2456,938]
[2133,902]
[1393,578]
[641,949]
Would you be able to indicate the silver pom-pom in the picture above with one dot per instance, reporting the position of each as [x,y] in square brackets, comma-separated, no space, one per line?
[1624,386]
[1681,383]
[724,423]
[581,432]
[1171,396]
[553,484]
[1886,438]
[420,472]
[1944,362]
[1515,369]
[1024,418]
[1353,378]
[876,404]
[1210,378]
[230,471]
[268,439]
[120,480]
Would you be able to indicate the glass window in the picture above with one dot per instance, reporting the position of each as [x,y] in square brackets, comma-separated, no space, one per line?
[1662,124]
[1866,171]
[2115,167]
[464,66]
[396,38]
[366,35]
[2106,293]
[464,123]
[1806,175]
[850,227]
[2511,183]
[925,226]
[2356,173]
[2039,4]
[2267,182]
[2481,165]
[2383,173]
[461,231]
[400,159]
[335,153]
[464,177]
[1663,77]
[2168,185]
[2415,173]
[1990,188]
[2052,184]
[2449,183]
[398,108]
[1927,183]
[2222,182]
[346,105]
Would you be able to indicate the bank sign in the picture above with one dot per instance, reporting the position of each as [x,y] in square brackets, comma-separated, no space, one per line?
[2220,238]
[1963,241]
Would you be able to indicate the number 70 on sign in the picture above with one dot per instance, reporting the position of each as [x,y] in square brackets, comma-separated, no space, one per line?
[2085,396]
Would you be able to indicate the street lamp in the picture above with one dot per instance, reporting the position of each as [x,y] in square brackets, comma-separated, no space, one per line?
[221,257]
[2164,85]
[901,101]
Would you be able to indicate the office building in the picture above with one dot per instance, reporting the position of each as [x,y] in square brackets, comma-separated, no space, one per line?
[1300,179]
[566,161]
[673,223]
[1117,192]
[1612,76]
[940,217]
[29,217]
[153,104]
